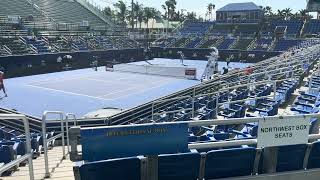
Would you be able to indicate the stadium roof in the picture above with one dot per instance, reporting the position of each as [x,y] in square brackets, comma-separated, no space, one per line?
[248,6]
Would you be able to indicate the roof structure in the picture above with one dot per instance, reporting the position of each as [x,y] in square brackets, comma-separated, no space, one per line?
[248,6]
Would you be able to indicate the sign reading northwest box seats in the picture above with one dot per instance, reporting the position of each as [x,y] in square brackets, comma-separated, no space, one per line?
[102,143]
[281,132]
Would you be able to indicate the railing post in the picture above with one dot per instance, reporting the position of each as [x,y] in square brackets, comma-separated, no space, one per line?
[193,100]
[45,150]
[67,128]
[45,141]
[28,147]
[152,110]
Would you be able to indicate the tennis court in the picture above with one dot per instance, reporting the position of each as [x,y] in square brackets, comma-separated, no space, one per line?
[86,90]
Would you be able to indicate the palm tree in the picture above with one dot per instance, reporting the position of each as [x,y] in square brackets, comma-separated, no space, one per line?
[287,13]
[191,16]
[137,11]
[170,6]
[280,14]
[164,7]
[269,10]
[140,16]
[210,9]
[155,15]
[109,13]
[147,15]
[121,10]
[303,13]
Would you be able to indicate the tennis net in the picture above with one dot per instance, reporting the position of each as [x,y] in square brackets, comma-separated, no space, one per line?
[180,72]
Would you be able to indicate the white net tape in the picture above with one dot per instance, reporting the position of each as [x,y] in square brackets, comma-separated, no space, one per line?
[181,72]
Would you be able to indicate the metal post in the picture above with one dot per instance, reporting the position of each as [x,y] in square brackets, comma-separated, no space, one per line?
[45,150]
[67,128]
[274,90]
[45,145]
[28,146]
[193,100]
[152,111]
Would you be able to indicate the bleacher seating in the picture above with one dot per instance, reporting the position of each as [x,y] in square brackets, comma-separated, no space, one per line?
[312,27]
[293,26]
[179,166]
[20,8]
[194,27]
[209,43]
[66,11]
[229,163]
[13,145]
[193,43]
[285,44]
[226,43]
[242,44]
[262,44]
[113,169]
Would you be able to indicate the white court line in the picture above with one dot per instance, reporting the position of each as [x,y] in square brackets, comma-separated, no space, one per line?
[66,92]
[134,87]
[65,78]
[138,92]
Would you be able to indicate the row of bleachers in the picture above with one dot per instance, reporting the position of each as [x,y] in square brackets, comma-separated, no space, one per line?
[193,43]
[285,44]
[18,45]
[263,44]
[226,43]
[308,101]
[233,162]
[246,29]
[17,8]
[180,42]
[293,26]
[13,145]
[211,42]
[242,44]
[312,27]
[68,11]
[39,44]
[195,27]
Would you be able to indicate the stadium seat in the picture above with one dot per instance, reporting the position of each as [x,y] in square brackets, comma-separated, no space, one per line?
[314,157]
[119,169]
[179,166]
[291,157]
[229,163]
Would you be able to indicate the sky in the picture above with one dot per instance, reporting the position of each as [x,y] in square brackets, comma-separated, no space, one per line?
[199,6]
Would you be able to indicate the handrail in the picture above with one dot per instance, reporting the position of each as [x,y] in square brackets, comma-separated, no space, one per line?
[29,154]
[46,141]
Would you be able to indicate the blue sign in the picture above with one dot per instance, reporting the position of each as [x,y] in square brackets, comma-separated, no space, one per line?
[102,143]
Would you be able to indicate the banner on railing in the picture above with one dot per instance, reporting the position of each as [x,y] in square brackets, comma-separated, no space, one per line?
[283,131]
[124,141]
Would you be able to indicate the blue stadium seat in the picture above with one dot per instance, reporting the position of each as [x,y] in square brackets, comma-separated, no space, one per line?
[229,163]
[179,166]
[119,169]
[314,157]
[6,154]
[291,157]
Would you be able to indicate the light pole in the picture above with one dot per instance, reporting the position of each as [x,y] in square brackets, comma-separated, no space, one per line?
[132,14]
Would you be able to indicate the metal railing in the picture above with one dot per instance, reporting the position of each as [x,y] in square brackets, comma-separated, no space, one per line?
[29,153]
[51,139]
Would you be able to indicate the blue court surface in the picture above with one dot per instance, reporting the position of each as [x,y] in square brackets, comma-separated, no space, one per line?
[85,90]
